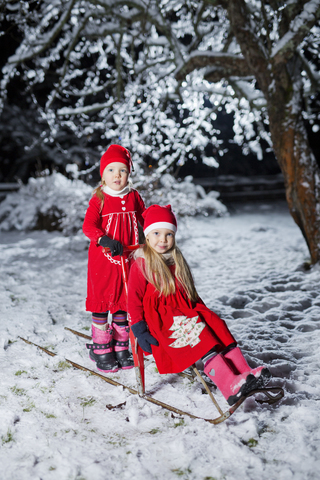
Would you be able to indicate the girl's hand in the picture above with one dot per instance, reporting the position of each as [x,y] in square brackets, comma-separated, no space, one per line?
[144,337]
[116,247]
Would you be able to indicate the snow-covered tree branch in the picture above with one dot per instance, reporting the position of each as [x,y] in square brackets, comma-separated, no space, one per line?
[154,74]
[223,65]
[298,29]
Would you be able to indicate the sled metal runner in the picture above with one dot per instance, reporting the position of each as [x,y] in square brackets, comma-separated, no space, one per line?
[271,394]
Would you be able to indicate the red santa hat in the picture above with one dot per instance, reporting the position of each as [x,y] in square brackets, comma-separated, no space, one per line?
[157,216]
[115,153]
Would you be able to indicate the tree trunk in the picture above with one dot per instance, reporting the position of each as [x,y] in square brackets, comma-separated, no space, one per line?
[299,167]
[280,80]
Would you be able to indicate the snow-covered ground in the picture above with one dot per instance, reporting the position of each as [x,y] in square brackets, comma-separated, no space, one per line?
[54,423]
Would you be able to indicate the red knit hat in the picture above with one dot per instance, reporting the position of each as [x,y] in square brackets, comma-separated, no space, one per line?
[157,216]
[115,153]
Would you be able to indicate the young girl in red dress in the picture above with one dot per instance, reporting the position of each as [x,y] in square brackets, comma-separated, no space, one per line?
[169,319]
[111,221]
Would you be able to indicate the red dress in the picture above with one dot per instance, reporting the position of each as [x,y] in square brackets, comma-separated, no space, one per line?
[119,220]
[185,330]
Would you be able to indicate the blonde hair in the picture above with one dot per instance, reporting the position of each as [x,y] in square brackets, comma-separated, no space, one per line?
[99,194]
[158,273]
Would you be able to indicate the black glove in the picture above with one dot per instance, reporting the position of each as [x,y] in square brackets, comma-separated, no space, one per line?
[116,247]
[144,337]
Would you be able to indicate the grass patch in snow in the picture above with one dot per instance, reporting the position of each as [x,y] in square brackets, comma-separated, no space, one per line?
[87,402]
[63,365]
[179,423]
[46,390]
[75,432]
[18,391]
[51,348]
[16,300]
[7,438]
[117,440]
[251,443]
[30,406]
[48,415]
[181,473]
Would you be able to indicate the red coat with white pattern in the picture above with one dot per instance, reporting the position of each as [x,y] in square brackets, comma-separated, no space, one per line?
[185,330]
[119,220]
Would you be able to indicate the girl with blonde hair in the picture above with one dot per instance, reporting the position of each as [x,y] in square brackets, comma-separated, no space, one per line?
[169,319]
[111,221]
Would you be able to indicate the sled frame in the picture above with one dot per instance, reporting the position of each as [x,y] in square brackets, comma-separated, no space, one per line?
[221,418]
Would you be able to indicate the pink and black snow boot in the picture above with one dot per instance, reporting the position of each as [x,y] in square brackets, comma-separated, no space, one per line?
[121,346]
[231,385]
[237,361]
[101,350]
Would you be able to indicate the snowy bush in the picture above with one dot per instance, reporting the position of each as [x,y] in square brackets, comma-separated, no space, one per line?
[54,202]
[185,197]
[51,202]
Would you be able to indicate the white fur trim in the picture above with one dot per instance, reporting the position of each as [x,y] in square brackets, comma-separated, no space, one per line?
[139,253]
[115,193]
[154,226]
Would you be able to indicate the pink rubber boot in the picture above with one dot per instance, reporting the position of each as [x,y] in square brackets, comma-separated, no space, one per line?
[101,350]
[239,363]
[231,385]
[121,346]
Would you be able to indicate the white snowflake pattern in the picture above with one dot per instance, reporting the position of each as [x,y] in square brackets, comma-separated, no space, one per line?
[186,331]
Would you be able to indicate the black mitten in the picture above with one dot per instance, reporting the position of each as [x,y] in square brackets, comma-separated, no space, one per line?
[144,337]
[116,247]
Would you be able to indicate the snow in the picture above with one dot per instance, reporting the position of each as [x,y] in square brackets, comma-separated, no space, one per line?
[53,418]
[58,203]
[299,22]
